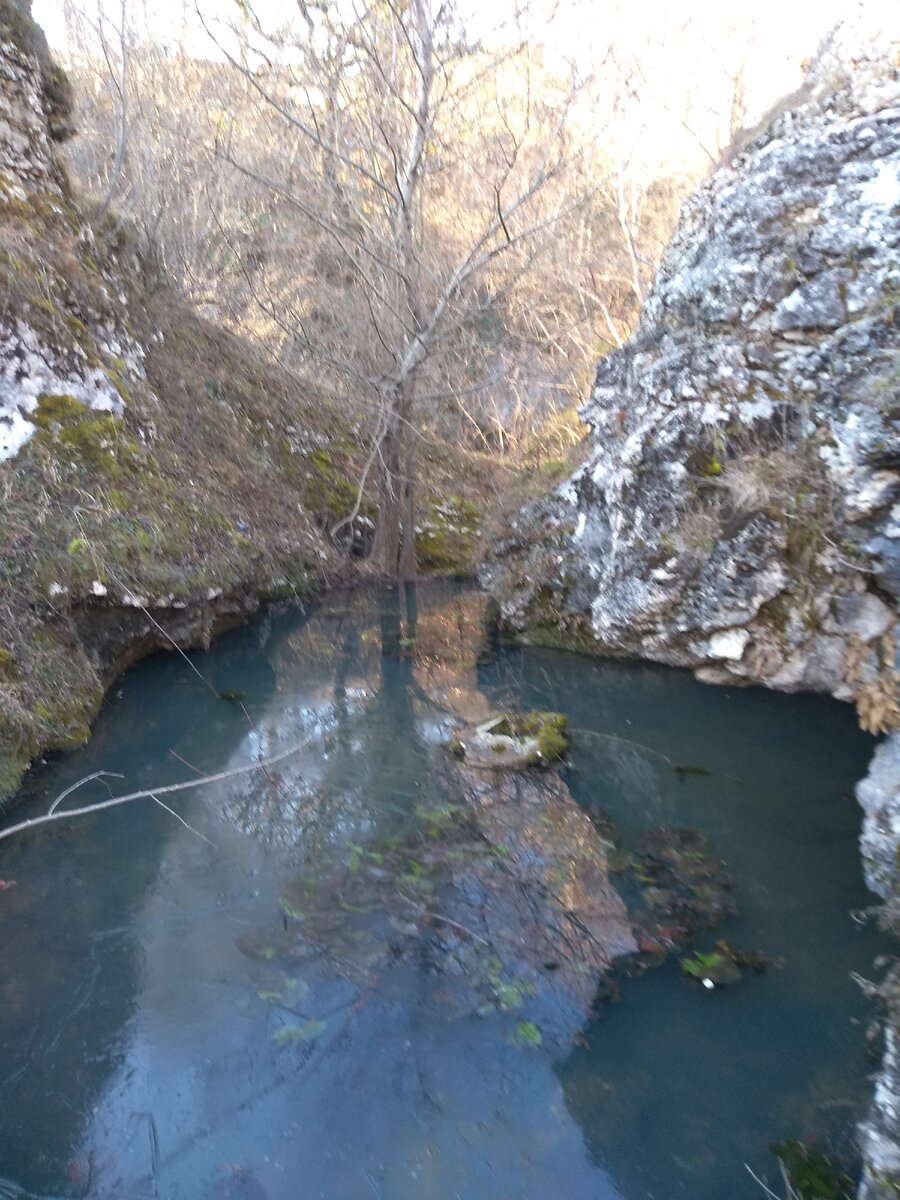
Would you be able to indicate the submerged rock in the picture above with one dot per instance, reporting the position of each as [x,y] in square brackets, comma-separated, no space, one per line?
[713,970]
[560,896]
[513,740]
[499,896]
[239,1184]
[724,966]
[686,888]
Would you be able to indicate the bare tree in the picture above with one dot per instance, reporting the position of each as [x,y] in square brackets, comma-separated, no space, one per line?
[280,183]
[382,103]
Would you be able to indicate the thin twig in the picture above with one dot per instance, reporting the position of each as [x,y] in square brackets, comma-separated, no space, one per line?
[150,617]
[790,1194]
[178,817]
[153,1135]
[435,916]
[35,822]
[614,737]
[370,1180]
[267,774]
[175,754]
[69,790]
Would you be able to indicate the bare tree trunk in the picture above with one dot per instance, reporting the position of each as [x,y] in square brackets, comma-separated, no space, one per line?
[386,543]
[371,105]
[407,565]
[393,548]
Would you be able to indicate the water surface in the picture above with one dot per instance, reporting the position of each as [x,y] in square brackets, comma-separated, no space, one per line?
[142,1053]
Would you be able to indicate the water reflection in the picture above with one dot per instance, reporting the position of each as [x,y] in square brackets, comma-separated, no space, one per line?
[143,1053]
[72,963]
[708,1082]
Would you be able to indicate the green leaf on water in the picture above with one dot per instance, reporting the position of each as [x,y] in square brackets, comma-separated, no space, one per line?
[289,910]
[300,1033]
[528,1034]
[643,877]
[268,951]
[509,996]
[269,995]
[700,965]
[233,694]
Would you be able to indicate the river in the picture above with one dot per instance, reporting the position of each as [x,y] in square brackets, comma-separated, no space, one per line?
[154,1044]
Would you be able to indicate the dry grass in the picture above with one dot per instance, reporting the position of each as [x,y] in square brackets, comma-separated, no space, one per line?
[762,481]
[875,683]
[698,530]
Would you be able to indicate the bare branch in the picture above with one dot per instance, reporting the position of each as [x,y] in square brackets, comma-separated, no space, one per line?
[180,818]
[87,779]
[149,793]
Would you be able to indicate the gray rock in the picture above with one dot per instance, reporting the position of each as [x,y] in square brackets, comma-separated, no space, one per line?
[815,305]
[737,511]
[879,798]
[740,479]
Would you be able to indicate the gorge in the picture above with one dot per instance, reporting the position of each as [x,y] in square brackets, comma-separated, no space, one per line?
[736,513]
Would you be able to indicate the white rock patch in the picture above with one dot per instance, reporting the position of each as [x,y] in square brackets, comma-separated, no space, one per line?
[729,644]
[27,370]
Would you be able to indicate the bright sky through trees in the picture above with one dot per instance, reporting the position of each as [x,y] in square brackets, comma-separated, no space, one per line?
[687,51]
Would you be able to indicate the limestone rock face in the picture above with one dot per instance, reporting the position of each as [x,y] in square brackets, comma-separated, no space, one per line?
[25,153]
[878,795]
[64,324]
[738,510]
[158,479]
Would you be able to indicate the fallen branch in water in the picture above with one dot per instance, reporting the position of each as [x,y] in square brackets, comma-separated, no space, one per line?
[435,916]
[147,793]
[81,782]
[615,737]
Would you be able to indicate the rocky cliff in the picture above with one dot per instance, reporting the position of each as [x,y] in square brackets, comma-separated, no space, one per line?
[158,478]
[738,511]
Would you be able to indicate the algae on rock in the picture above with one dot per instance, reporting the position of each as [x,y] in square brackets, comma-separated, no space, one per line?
[513,740]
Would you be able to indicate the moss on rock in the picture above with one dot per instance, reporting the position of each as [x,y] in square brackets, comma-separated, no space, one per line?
[85,438]
[552,736]
[513,740]
[445,535]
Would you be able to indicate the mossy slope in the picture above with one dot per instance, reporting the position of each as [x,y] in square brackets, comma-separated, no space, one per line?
[205,493]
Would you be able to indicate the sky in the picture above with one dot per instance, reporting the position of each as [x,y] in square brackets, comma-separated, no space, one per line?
[689,50]
[580,28]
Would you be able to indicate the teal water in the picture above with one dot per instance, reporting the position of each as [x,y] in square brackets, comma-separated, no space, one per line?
[138,1058]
